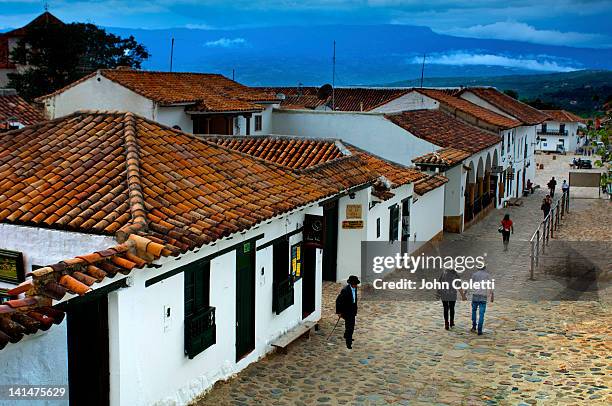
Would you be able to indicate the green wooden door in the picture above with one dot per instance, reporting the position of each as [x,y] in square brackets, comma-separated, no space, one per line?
[245,299]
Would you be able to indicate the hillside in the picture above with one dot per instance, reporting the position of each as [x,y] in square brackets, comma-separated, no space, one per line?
[365,54]
[582,91]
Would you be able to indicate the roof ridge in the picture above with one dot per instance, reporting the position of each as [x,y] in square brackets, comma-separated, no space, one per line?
[136,197]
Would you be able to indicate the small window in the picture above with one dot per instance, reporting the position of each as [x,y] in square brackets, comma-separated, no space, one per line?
[258,123]
[378,227]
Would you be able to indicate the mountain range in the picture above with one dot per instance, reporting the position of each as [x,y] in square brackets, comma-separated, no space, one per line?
[365,54]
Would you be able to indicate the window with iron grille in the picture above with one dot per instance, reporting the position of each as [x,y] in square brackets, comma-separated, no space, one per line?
[258,123]
[200,326]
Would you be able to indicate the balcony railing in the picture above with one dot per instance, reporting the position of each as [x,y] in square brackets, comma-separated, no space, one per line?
[200,331]
[552,132]
[282,295]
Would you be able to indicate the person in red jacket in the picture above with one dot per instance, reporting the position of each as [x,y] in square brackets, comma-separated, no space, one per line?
[506,227]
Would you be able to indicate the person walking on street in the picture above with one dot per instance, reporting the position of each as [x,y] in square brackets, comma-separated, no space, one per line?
[546,205]
[448,296]
[480,294]
[505,228]
[565,187]
[552,184]
[346,307]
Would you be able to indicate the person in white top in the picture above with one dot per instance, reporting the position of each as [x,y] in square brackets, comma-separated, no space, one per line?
[483,288]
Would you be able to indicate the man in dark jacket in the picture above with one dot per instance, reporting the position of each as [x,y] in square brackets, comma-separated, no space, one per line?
[346,307]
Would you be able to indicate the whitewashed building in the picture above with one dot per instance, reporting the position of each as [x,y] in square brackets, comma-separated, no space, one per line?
[404,136]
[10,39]
[382,211]
[560,132]
[521,143]
[197,103]
[175,261]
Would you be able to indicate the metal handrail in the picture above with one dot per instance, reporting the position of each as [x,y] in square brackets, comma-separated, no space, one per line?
[546,230]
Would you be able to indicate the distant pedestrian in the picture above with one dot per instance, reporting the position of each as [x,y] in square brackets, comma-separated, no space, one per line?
[448,296]
[529,186]
[565,187]
[546,205]
[480,294]
[505,228]
[346,307]
[552,184]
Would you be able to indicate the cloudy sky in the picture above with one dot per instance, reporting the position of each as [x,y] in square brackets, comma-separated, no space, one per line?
[554,22]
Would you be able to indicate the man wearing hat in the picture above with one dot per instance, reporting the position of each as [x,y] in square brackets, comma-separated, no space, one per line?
[346,307]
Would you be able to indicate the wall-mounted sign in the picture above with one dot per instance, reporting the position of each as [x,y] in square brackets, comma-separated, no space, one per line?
[296,261]
[353,211]
[497,169]
[352,224]
[314,231]
[11,266]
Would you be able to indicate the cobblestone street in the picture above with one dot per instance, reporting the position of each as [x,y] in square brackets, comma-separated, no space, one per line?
[533,352]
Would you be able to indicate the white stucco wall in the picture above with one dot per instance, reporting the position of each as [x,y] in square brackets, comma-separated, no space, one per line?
[174,115]
[44,247]
[349,240]
[549,142]
[411,101]
[454,200]
[369,131]
[98,93]
[483,103]
[149,365]
[42,358]
[426,219]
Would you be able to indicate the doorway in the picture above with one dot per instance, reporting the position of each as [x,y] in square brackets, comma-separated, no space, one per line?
[330,250]
[245,300]
[88,353]
[309,275]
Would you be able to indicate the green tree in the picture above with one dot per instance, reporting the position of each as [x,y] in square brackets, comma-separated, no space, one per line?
[56,55]
[512,93]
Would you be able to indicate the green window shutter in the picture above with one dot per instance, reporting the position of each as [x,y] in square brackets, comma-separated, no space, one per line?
[200,324]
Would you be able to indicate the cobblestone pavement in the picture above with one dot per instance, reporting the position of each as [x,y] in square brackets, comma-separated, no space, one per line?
[533,352]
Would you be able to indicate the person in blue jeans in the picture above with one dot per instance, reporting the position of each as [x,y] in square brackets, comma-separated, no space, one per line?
[480,296]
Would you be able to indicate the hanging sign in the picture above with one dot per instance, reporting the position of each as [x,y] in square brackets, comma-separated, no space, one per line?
[352,224]
[353,211]
[296,261]
[314,231]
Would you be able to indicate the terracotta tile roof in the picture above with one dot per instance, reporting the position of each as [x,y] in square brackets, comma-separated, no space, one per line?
[292,152]
[323,158]
[430,183]
[395,173]
[525,113]
[457,103]
[348,172]
[441,129]
[442,157]
[204,92]
[34,311]
[346,98]
[14,107]
[563,116]
[117,173]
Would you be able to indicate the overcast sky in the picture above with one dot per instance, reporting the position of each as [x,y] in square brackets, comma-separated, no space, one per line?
[555,22]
